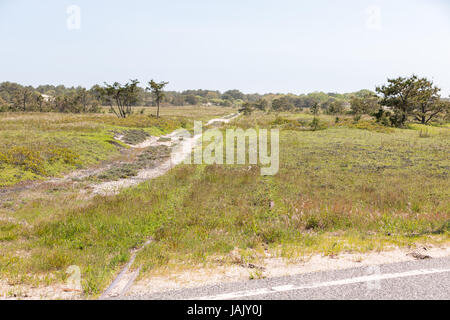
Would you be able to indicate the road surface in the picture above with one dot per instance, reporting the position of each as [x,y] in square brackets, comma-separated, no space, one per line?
[424,279]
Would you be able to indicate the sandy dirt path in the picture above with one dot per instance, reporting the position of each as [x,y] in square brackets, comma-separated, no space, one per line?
[181,145]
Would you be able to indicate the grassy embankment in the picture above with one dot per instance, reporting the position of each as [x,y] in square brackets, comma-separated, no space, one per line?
[349,187]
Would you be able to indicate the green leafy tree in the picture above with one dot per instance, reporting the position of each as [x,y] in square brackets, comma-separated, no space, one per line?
[23,98]
[410,96]
[3,105]
[191,99]
[157,91]
[336,107]
[247,108]
[399,94]
[282,104]
[427,102]
[233,95]
[364,104]
[315,108]
[121,97]
[261,104]
[40,102]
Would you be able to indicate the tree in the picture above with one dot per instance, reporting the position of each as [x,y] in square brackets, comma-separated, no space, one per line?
[191,99]
[157,91]
[40,102]
[123,96]
[364,104]
[410,96]
[3,105]
[426,112]
[336,107]
[233,95]
[23,98]
[85,100]
[261,104]
[247,108]
[427,102]
[315,109]
[282,104]
[399,94]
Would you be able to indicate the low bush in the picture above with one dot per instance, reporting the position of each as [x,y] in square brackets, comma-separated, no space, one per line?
[370,125]
[30,159]
[134,136]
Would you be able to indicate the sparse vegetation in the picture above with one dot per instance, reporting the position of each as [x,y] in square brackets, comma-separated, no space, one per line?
[351,187]
[37,146]
[126,170]
[134,136]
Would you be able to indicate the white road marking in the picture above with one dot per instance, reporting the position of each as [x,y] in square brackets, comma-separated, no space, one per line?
[290,287]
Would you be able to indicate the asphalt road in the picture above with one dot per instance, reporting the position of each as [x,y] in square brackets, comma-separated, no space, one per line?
[425,279]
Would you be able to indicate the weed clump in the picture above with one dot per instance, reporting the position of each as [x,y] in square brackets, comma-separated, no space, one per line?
[125,171]
[153,155]
[135,136]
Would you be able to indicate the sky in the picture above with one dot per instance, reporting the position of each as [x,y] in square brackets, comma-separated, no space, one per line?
[278,46]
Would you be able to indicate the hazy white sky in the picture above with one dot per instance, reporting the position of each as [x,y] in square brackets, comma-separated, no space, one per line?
[251,45]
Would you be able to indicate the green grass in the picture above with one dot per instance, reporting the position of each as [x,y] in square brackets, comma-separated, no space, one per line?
[37,161]
[87,139]
[339,189]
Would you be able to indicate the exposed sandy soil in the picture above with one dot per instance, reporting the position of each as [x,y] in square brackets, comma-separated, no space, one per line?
[55,292]
[273,267]
[182,148]
[277,267]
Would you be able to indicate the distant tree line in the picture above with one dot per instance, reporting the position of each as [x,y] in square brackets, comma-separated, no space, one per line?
[18,98]
[45,98]
[393,104]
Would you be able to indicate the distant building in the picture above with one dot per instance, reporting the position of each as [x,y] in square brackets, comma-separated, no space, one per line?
[47,98]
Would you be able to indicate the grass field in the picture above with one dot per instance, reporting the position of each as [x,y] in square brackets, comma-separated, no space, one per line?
[346,187]
[38,146]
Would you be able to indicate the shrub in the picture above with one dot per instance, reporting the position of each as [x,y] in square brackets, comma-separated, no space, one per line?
[63,154]
[246,109]
[34,161]
[4,108]
[123,172]
[135,136]
[369,125]
[383,117]
[316,124]
[356,118]
[30,160]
